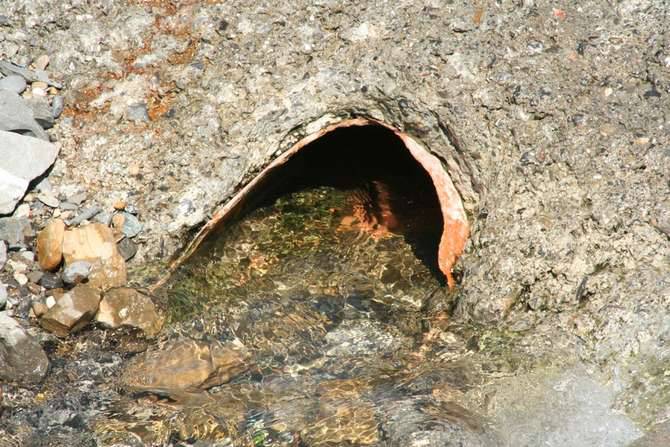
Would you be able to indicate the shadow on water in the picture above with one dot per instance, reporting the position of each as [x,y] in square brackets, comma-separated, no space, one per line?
[389,191]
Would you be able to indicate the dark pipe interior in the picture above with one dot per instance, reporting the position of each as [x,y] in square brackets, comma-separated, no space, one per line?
[374,164]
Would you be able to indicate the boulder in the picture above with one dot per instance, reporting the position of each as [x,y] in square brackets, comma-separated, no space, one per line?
[186,365]
[23,159]
[72,311]
[16,116]
[95,243]
[50,245]
[125,306]
[22,359]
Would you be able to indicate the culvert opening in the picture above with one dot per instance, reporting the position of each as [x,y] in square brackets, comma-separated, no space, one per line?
[395,186]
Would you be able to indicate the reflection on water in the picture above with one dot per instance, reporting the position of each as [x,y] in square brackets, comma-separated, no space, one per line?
[335,309]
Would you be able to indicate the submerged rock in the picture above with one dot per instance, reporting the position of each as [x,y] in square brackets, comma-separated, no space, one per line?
[186,365]
[95,244]
[125,306]
[22,359]
[72,311]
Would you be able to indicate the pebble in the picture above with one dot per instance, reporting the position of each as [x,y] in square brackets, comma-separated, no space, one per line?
[50,302]
[28,256]
[76,272]
[86,214]
[41,62]
[13,83]
[67,206]
[119,205]
[51,281]
[137,112]
[22,210]
[39,308]
[104,217]
[78,198]
[131,225]
[57,106]
[127,248]
[48,199]
[34,277]
[21,279]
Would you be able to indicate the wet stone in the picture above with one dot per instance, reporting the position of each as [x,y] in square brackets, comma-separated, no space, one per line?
[125,306]
[186,365]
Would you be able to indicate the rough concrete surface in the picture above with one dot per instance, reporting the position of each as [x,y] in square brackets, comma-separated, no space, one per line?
[550,117]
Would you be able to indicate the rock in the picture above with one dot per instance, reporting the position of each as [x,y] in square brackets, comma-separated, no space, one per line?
[51,281]
[21,278]
[78,198]
[23,159]
[137,112]
[104,217]
[27,255]
[95,243]
[119,205]
[22,359]
[41,62]
[48,199]
[57,106]
[39,309]
[41,111]
[86,214]
[14,231]
[72,311]
[16,116]
[50,245]
[76,272]
[131,225]
[34,277]
[125,306]
[127,248]
[3,254]
[13,83]
[3,296]
[51,301]
[22,210]
[186,365]
[7,68]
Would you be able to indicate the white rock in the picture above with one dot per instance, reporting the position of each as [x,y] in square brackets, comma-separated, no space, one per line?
[23,159]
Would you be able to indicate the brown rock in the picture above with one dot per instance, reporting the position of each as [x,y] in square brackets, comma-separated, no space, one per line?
[39,308]
[186,365]
[22,359]
[117,221]
[95,244]
[72,311]
[50,245]
[119,205]
[125,306]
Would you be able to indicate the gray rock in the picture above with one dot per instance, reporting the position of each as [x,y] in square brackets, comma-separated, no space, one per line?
[16,116]
[3,296]
[7,68]
[23,159]
[78,198]
[51,280]
[76,272]
[48,199]
[13,83]
[104,217]
[131,225]
[57,106]
[137,112]
[67,206]
[86,214]
[14,231]
[35,277]
[127,248]
[27,255]
[41,111]
[22,359]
